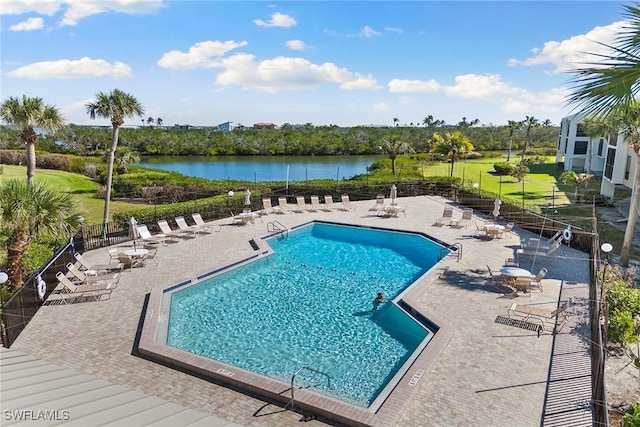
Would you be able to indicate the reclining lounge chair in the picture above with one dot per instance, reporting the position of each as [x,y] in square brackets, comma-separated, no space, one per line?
[556,318]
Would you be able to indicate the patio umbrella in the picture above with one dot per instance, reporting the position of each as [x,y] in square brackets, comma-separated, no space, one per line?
[133,230]
[394,194]
[247,197]
[496,208]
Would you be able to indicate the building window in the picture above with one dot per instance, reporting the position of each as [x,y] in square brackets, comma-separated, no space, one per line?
[613,140]
[580,147]
[608,166]
[627,167]
[580,130]
[600,147]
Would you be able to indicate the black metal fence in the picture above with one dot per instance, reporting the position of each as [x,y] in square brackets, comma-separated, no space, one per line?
[18,311]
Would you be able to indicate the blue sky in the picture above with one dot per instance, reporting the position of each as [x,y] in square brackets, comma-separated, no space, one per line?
[321,62]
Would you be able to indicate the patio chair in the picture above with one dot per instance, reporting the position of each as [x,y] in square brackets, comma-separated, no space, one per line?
[84,265]
[511,262]
[447,216]
[268,208]
[467,217]
[166,230]
[68,289]
[182,225]
[301,205]
[202,226]
[346,203]
[536,244]
[147,237]
[113,254]
[544,317]
[379,203]
[86,279]
[282,204]
[315,203]
[508,228]
[150,255]
[537,279]
[522,284]
[480,229]
[496,278]
[328,203]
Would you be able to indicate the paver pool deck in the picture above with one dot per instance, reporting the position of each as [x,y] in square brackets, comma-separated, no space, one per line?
[487,373]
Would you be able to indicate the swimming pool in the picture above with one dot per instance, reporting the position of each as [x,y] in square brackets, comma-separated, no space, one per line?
[309,305]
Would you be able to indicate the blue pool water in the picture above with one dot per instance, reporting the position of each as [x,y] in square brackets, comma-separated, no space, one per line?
[309,305]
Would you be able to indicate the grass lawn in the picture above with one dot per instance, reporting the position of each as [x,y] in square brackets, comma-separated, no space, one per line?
[82,189]
[541,186]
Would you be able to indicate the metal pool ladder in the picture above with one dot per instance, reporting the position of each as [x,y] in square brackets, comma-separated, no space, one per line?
[276,226]
[445,251]
[293,378]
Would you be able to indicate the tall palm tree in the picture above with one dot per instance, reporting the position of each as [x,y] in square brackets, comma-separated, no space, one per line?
[115,106]
[395,121]
[613,80]
[454,146]
[30,113]
[609,88]
[529,123]
[513,127]
[394,147]
[27,211]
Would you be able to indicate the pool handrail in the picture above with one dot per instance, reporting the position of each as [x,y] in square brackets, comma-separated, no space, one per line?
[293,378]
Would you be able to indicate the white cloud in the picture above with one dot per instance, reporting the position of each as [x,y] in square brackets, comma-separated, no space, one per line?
[406,100]
[75,10]
[380,106]
[18,7]
[286,73]
[394,30]
[296,45]
[486,88]
[72,69]
[575,52]
[28,25]
[200,55]
[413,86]
[367,31]
[277,20]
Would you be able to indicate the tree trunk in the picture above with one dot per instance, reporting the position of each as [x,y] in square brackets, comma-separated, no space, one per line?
[589,156]
[17,244]
[631,222]
[393,165]
[112,155]
[31,162]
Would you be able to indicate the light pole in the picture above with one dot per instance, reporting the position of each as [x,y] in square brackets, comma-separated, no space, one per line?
[606,248]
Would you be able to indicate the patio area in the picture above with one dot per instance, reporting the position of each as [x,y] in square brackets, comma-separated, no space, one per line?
[485,373]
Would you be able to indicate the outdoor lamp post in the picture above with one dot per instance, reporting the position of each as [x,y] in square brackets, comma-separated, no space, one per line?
[606,248]
[230,194]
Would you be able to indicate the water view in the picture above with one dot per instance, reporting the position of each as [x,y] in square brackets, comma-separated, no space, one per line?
[264,168]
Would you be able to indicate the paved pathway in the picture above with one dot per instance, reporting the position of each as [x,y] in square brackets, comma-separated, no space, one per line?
[487,374]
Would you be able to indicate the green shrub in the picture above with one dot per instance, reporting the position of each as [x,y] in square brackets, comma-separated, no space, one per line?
[520,171]
[53,161]
[503,168]
[633,419]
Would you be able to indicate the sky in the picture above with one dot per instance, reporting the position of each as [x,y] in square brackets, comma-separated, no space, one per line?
[344,63]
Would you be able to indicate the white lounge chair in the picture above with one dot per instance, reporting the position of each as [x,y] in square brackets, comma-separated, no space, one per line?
[85,279]
[379,203]
[282,204]
[315,203]
[301,205]
[465,220]
[147,237]
[328,202]
[447,216]
[84,265]
[268,208]
[166,229]
[182,225]
[202,226]
[346,203]
[556,318]
[66,288]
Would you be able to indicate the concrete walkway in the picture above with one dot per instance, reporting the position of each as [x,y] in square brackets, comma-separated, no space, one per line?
[487,374]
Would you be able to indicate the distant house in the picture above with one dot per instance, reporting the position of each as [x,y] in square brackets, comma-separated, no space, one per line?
[226,126]
[265,126]
[612,159]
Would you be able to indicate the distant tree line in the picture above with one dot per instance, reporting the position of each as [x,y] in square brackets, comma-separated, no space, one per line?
[289,140]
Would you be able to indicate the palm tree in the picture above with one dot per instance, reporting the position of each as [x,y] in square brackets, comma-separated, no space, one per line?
[115,106]
[28,114]
[609,88]
[27,211]
[394,147]
[513,127]
[529,123]
[159,121]
[150,121]
[612,81]
[395,121]
[454,146]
